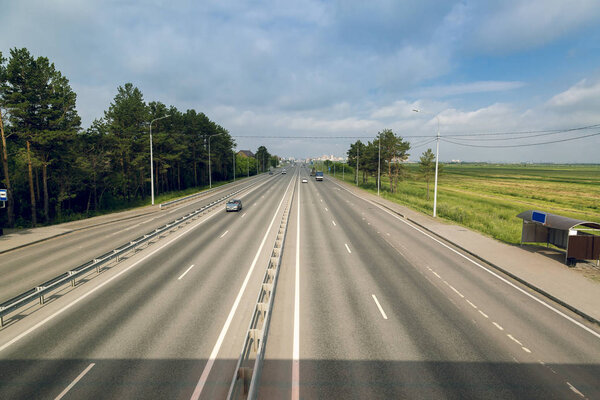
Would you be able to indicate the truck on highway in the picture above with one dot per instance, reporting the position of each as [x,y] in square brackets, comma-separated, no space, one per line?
[319,175]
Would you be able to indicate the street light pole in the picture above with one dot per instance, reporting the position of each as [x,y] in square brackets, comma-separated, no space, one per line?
[234,165]
[437,157]
[379,166]
[152,158]
[209,170]
[357,157]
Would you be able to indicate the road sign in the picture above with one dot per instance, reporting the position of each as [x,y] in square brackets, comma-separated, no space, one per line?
[3,195]
[539,217]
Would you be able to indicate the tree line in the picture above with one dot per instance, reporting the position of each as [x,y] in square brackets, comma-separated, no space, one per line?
[393,151]
[54,169]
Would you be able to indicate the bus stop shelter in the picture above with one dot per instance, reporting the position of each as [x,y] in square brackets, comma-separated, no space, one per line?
[580,239]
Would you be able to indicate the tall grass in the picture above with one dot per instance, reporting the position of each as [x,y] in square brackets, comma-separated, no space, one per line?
[487,197]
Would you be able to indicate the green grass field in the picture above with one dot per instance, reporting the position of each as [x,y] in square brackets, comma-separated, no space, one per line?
[487,197]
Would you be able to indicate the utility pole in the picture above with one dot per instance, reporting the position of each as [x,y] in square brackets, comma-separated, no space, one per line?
[209,170]
[379,166]
[234,165]
[357,155]
[152,159]
[437,157]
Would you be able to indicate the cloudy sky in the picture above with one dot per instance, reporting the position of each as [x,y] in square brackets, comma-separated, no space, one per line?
[337,70]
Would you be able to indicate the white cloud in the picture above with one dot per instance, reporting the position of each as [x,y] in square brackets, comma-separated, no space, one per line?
[468,88]
[513,25]
[584,95]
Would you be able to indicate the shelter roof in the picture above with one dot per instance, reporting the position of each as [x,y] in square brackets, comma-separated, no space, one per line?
[557,221]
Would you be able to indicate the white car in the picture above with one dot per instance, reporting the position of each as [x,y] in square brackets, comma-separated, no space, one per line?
[304,180]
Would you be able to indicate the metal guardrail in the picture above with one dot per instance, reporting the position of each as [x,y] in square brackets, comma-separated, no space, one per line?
[191,196]
[42,289]
[247,374]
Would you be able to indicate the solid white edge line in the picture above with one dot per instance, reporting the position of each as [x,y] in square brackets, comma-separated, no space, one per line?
[548,306]
[81,375]
[379,306]
[347,248]
[186,271]
[106,282]
[215,351]
[223,235]
[296,348]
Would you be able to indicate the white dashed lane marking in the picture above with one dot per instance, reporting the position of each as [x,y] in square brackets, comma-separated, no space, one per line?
[379,306]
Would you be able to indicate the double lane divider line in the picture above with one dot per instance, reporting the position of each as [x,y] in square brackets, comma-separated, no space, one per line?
[215,351]
[81,375]
[186,271]
[379,306]
[223,235]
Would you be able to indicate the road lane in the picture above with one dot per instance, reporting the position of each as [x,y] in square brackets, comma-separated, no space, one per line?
[21,269]
[148,333]
[435,343]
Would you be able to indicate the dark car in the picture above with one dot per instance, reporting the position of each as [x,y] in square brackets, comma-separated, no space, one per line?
[233,205]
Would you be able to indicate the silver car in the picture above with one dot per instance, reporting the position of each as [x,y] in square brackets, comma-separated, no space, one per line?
[233,205]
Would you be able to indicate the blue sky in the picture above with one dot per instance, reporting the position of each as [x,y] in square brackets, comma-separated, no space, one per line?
[337,68]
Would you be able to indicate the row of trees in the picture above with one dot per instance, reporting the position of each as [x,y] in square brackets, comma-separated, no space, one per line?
[365,157]
[393,152]
[48,160]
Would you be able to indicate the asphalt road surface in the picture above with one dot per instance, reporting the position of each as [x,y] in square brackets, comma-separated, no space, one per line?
[24,268]
[367,306]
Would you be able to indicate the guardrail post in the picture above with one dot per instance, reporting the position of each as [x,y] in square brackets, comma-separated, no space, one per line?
[72,280]
[1,318]
[39,289]
[245,374]
[262,308]
[256,336]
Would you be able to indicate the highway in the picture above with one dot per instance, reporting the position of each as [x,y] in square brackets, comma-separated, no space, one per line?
[367,306]
[24,268]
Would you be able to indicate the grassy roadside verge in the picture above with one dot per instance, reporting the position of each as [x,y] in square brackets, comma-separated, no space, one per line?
[487,197]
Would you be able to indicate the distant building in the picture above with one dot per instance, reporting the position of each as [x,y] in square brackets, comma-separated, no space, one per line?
[246,153]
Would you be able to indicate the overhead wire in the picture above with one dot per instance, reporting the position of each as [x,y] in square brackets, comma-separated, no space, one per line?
[520,144]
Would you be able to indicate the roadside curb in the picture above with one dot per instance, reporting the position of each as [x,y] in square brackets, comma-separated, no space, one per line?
[498,268]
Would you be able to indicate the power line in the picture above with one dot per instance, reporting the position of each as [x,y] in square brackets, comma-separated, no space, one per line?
[546,131]
[520,145]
